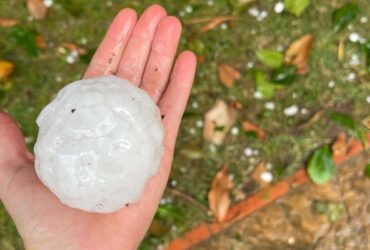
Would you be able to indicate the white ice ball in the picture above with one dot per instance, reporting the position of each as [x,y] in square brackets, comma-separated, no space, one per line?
[99,142]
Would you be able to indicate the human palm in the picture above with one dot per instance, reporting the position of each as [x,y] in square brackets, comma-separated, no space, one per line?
[143,52]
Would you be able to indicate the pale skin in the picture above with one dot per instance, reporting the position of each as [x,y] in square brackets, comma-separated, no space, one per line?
[141,50]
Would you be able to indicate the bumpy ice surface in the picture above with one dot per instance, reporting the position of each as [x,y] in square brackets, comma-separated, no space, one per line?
[99,141]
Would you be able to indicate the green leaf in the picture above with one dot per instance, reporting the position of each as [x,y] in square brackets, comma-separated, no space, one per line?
[271,58]
[26,39]
[296,7]
[284,75]
[266,88]
[344,120]
[344,15]
[367,170]
[320,166]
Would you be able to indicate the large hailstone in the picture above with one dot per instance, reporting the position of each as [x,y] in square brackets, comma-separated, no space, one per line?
[99,142]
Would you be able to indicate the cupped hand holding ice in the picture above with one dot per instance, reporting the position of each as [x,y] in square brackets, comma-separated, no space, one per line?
[141,51]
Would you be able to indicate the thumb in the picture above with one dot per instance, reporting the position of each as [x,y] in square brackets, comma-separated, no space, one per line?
[13,150]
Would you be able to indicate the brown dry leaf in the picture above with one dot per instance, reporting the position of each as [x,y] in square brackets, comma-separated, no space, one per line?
[218,196]
[298,53]
[366,122]
[73,47]
[228,74]
[37,9]
[340,145]
[258,175]
[218,122]
[8,22]
[341,49]
[250,127]
[40,42]
[6,68]
[216,21]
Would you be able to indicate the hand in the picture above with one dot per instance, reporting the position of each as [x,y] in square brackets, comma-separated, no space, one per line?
[143,52]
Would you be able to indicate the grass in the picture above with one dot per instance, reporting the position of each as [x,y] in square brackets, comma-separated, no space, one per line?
[37,78]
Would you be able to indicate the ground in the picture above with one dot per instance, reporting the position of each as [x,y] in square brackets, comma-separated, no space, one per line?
[40,72]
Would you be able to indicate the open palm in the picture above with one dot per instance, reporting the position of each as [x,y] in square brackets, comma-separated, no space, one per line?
[143,52]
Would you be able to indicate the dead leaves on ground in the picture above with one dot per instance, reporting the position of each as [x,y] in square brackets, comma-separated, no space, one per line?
[37,9]
[228,75]
[6,68]
[218,122]
[215,22]
[218,196]
[298,53]
[250,127]
[73,47]
[8,22]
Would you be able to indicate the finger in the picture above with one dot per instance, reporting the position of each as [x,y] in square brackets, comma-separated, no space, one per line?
[135,55]
[161,57]
[173,102]
[107,56]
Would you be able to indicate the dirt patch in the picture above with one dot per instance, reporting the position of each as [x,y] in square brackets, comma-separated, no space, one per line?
[331,216]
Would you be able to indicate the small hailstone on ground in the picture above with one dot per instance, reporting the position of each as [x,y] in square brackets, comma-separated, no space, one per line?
[234,130]
[48,3]
[262,15]
[354,37]
[350,27]
[109,3]
[304,111]
[250,65]
[351,76]
[363,19]
[192,131]
[181,13]
[212,148]
[368,99]
[331,84]
[173,183]
[231,177]
[58,78]
[70,58]
[291,110]
[291,240]
[28,139]
[83,40]
[99,142]
[266,176]
[223,26]
[253,11]
[199,123]
[195,105]
[280,48]
[189,9]
[355,60]
[183,170]
[279,7]
[257,95]
[270,105]
[248,152]
[269,165]
[210,2]
[256,152]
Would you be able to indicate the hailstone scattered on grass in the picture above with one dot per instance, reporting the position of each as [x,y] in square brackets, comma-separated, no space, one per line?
[99,141]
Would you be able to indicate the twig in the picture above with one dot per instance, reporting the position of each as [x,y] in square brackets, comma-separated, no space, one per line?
[315,117]
[207,19]
[187,198]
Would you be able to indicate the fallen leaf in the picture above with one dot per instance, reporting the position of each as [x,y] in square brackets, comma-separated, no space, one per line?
[157,228]
[366,122]
[284,75]
[298,52]
[258,175]
[250,127]
[228,75]
[340,145]
[296,7]
[40,42]
[216,21]
[218,122]
[345,15]
[218,196]
[266,88]
[6,68]
[37,9]
[8,22]
[321,167]
[341,49]
[73,47]
[270,58]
